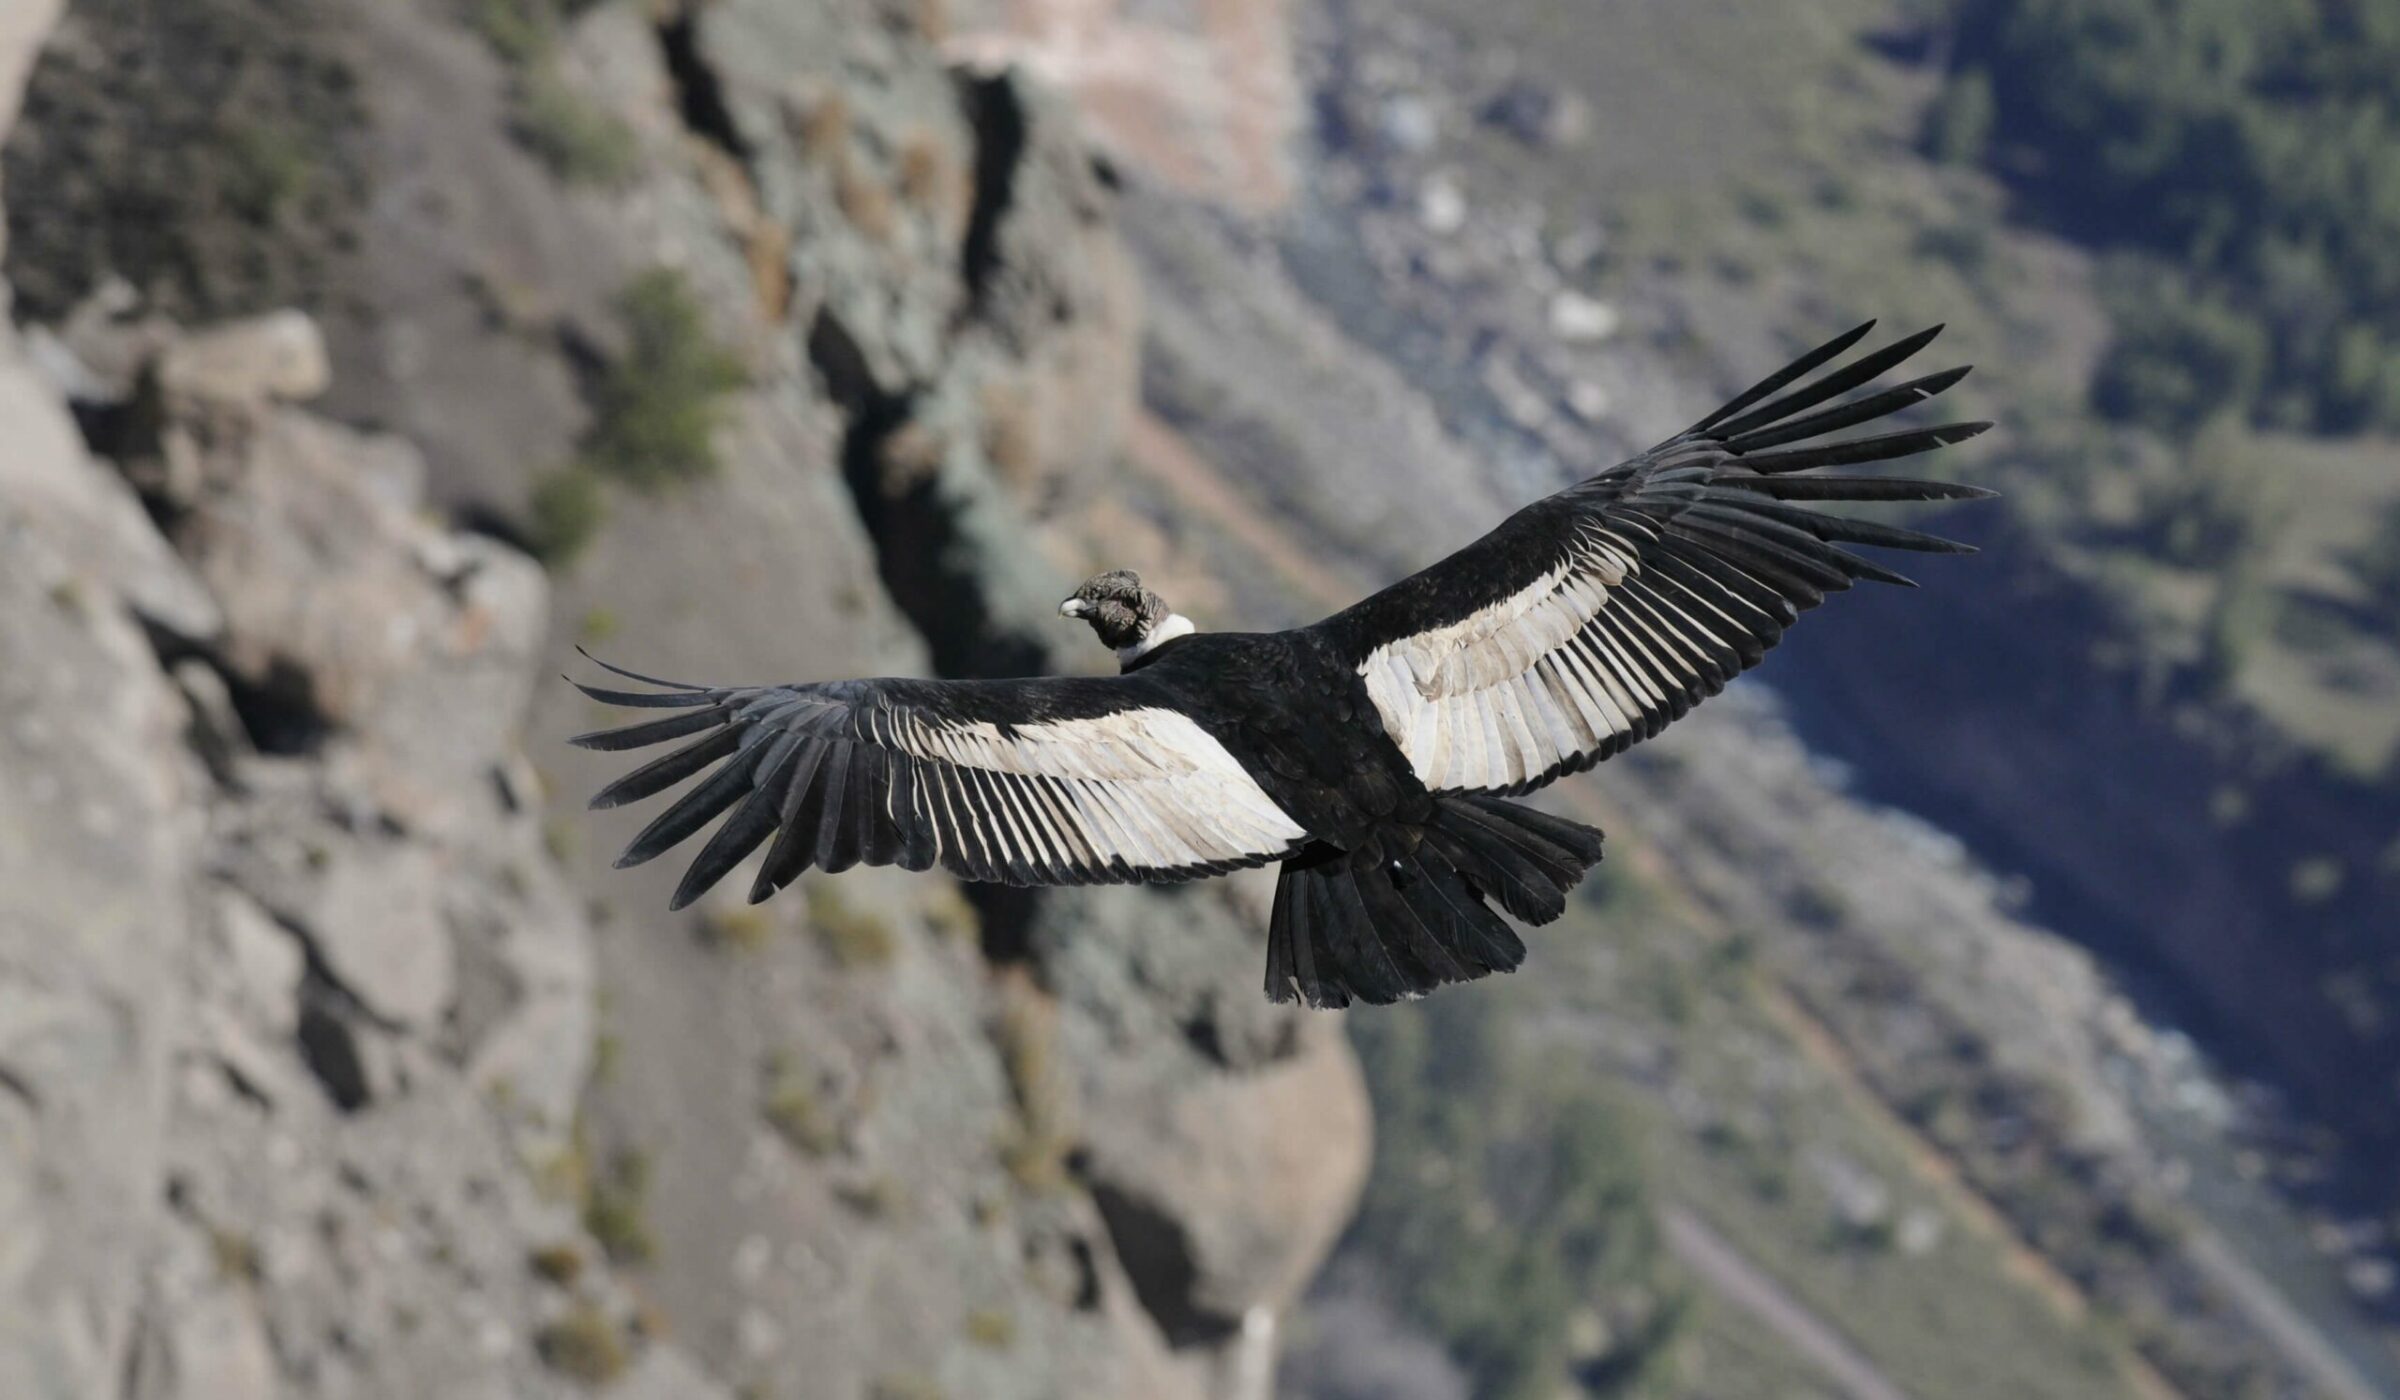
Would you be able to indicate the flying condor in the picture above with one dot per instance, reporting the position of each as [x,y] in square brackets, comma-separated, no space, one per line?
[1370,753]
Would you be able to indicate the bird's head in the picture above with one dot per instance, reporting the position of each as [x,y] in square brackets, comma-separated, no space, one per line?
[1127,616]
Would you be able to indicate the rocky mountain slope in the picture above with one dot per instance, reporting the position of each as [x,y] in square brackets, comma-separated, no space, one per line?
[338,1063]
[799,340]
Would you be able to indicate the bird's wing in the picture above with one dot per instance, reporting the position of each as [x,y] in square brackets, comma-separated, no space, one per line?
[1060,781]
[1594,618]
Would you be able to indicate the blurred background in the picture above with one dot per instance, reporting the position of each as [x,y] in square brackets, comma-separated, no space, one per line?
[1993,996]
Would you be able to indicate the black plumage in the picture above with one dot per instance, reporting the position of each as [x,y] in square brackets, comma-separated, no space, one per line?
[1368,753]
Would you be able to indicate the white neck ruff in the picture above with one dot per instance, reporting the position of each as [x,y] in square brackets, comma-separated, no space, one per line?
[1169,628]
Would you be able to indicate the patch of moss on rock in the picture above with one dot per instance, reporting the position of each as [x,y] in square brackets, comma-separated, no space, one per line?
[852,937]
[743,930]
[795,1109]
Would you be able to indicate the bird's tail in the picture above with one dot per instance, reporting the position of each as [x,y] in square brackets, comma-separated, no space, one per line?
[1406,911]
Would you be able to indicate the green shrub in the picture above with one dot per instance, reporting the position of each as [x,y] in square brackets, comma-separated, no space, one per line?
[563,130]
[267,170]
[583,1345]
[991,1328]
[853,937]
[795,1110]
[521,32]
[561,1264]
[235,1254]
[654,412]
[747,929]
[2221,502]
[2179,355]
[1506,1199]
[2249,141]
[616,1210]
[568,508]
[659,403]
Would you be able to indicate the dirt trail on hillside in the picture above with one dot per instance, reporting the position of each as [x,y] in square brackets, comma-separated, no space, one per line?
[1699,1248]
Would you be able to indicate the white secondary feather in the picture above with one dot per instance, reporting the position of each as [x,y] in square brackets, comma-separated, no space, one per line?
[1546,674]
[1149,787]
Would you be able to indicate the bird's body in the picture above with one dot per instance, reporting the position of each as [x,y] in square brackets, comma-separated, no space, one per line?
[1294,712]
[1368,753]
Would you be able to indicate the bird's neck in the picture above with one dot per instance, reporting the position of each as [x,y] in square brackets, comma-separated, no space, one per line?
[1170,627]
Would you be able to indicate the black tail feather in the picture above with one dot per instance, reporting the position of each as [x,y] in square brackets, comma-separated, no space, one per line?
[1407,911]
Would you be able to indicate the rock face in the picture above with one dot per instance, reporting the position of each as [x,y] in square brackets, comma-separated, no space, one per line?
[272,952]
[333,1059]
[1200,95]
[102,837]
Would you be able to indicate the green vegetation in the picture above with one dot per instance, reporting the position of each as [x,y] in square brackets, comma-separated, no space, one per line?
[1034,1148]
[795,1110]
[1507,1202]
[616,1209]
[567,133]
[550,119]
[267,169]
[948,913]
[878,1197]
[746,929]
[519,31]
[199,150]
[655,411]
[568,507]
[235,1255]
[659,403]
[906,1385]
[2253,143]
[585,1345]
[560,1264]
[2182,353]
[852,937]
[2132,453]
[991,1328]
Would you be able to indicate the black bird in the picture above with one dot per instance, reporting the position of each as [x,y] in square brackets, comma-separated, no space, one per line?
[1370,752]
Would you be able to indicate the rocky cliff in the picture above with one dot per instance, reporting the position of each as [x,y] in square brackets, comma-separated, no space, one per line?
[802,340]
[334,1059]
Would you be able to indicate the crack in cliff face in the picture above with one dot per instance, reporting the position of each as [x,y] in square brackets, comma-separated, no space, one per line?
[925,562]
[996,116]
[329,1045]
[923,554]
[923,551]
[1157,1254]
[699,94]
[726,160]
[279,710]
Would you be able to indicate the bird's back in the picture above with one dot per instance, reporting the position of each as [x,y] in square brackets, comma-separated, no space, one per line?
[1296,714]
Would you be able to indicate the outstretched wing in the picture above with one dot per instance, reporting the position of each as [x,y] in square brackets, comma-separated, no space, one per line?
[1594,618]
[1062,781]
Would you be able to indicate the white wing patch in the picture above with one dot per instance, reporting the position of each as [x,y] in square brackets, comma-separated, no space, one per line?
[1587,651]
[1148,787]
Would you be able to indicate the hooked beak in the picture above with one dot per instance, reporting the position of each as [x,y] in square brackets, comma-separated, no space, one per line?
[1073,607]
